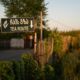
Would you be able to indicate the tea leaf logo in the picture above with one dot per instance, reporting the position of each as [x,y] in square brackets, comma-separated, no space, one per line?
[5,25]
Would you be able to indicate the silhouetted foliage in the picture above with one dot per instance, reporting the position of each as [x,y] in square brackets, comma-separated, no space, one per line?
[70,65]
[49,72]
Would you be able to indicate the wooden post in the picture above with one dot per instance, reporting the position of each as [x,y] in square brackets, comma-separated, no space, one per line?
[35,43]
[41,55]
[41,27]
[41,35]
[35,37]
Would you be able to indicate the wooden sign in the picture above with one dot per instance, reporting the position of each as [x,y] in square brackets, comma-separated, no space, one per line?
[16,24]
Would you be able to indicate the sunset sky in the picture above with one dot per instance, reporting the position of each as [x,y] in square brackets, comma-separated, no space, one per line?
[64,13]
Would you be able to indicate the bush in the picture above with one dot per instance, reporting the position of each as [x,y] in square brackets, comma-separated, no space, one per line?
[49,72]
[70,65]
[31,68]
[6,71]
[17,70]
[26,69]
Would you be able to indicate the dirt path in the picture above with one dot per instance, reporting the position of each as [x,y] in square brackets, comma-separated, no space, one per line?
[13,54]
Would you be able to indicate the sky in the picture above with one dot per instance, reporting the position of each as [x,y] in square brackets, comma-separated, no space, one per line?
[62,14]
[2,14]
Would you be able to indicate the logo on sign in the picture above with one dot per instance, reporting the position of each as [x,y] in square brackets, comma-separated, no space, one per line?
[5,24]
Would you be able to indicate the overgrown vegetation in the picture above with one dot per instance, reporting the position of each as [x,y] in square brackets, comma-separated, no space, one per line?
[57,44]
[66,67]
[26,69]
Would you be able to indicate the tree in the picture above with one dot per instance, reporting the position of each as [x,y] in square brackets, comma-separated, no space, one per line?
[24,8]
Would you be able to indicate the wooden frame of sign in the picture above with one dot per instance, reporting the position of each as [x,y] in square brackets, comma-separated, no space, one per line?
[10,25]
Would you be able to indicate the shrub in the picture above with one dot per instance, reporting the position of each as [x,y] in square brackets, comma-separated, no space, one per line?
[31,68]
[49,72]
[6,71]
[17,70]
[70,65]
